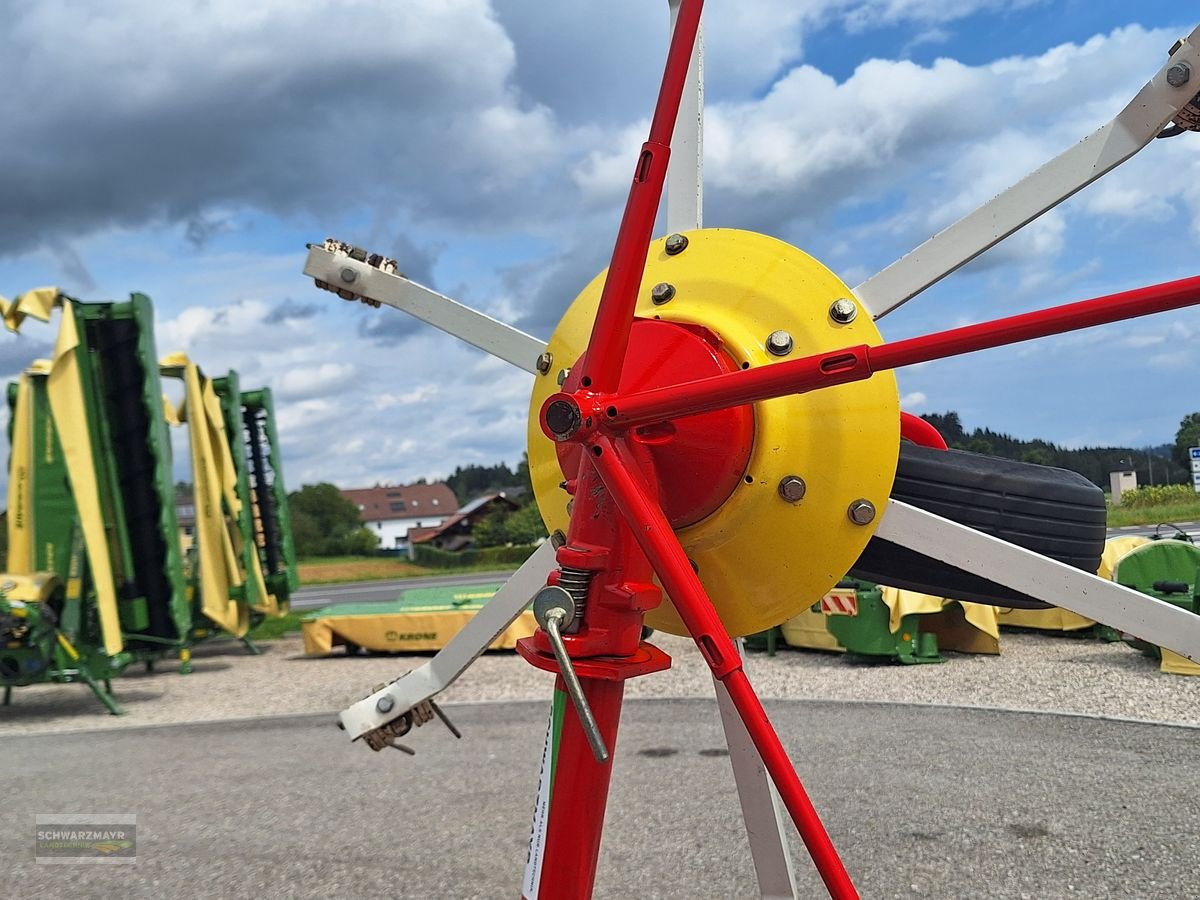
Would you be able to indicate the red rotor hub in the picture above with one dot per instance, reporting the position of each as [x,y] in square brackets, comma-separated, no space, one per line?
[698,460]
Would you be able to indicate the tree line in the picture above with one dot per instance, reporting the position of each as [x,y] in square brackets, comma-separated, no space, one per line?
[1161,464]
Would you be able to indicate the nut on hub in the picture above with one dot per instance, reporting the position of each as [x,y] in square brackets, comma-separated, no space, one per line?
[843,311]
[792,488]
[676,244]
[779,343]
[861,512]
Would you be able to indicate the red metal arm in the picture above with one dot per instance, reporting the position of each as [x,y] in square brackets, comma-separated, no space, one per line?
[662,548]
[855,363]
[610,331]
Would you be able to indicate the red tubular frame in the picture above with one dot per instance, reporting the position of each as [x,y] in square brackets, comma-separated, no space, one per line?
[614,318]
[658,542]
[855,363]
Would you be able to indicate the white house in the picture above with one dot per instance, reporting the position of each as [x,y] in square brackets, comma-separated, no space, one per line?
[391,510]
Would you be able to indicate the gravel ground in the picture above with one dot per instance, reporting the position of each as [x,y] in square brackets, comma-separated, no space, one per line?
[1034,672]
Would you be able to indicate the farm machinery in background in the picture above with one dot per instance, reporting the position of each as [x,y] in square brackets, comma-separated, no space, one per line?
[97,575]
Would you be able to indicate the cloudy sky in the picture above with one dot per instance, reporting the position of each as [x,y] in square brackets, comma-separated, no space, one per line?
[190,150]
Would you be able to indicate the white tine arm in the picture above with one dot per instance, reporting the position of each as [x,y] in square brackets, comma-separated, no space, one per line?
[464,648]
[1044,579]
[1156,105]
[356,279]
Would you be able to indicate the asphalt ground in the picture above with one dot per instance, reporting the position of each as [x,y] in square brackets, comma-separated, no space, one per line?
[921,801]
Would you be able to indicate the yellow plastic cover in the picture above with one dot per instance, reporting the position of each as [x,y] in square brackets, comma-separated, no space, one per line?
[982,631]
[69,408]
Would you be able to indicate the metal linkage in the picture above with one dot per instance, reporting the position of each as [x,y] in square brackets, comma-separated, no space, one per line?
[554,609]
[385,736]
[391,702]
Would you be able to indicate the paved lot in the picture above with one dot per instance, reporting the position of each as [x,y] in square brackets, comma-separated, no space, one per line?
[922,801]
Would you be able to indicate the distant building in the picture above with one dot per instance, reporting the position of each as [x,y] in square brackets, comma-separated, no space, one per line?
[456,533]
[391,510]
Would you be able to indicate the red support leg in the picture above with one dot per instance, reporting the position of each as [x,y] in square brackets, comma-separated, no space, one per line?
[658,542]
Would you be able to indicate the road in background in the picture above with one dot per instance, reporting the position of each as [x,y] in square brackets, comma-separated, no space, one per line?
[321,595]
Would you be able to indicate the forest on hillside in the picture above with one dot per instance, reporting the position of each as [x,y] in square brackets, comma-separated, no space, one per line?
[1162,464]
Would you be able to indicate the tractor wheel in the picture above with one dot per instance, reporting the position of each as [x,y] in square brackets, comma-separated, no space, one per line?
[1054,512]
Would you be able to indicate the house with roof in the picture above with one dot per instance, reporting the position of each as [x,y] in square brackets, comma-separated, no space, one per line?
[391,511]
[456,533]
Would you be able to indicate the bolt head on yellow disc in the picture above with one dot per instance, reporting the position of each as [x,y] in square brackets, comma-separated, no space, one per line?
[763,556]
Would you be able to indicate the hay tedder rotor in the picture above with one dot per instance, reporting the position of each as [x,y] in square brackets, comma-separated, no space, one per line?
[714,439]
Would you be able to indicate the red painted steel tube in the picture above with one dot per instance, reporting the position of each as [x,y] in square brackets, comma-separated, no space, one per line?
[660,545]
[610,331]
[855,363]
[579,795]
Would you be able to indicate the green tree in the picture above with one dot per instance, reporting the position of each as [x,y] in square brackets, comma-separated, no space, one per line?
[491,530]
[525,525]
[324,523]
[1186,437]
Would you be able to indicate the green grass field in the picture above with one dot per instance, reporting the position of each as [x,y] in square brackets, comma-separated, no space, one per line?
[1151,515]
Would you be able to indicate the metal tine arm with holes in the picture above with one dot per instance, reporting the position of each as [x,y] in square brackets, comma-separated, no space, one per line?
[1145,117]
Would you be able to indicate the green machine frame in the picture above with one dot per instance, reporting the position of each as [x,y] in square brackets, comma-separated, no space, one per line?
[272,522]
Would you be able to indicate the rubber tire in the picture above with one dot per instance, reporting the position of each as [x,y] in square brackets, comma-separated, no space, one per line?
[1054,512]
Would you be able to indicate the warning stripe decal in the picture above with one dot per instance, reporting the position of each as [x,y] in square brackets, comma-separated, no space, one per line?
[840,603]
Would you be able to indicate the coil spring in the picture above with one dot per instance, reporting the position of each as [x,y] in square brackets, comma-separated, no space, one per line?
[576,583]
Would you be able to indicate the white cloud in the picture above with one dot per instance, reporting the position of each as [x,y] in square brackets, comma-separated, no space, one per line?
[315,381]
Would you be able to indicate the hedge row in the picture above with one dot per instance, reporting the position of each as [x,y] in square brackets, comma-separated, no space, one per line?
[1158,495]
[489,556]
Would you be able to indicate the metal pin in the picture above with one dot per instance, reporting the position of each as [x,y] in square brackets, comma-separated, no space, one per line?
[554,609]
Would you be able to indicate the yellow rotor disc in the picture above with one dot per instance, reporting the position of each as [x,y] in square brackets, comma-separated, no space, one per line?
[761,558]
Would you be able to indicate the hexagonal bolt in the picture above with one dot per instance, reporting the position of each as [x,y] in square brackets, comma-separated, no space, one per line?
[676,243]
[861,512]
[779,343]
[545,361]
[562,376]
[792,488]
[385,704]
[662,293]
[348,275]
[843,310]
[1179,74]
